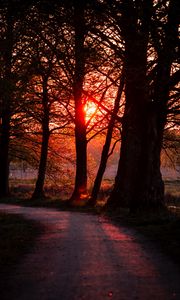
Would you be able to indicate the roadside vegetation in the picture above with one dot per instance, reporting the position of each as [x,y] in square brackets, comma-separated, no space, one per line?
[165,233]
[162,229]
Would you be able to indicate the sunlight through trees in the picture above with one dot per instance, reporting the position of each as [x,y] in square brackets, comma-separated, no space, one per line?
[74,72]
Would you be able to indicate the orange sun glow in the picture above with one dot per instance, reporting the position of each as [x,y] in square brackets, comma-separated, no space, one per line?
[90,109]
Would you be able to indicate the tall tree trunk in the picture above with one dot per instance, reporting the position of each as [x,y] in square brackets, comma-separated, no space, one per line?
[138,179]
[6,96]
[105,151]
[39,187]
[80,188]
[139,183]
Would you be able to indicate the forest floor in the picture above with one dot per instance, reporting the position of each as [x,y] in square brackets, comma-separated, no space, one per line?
[83,256]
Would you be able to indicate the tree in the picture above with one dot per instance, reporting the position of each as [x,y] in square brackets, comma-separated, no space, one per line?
[6,94]
[12,17]
[138,183]
[38,99]
[106,147]
[38,192]
[80,188]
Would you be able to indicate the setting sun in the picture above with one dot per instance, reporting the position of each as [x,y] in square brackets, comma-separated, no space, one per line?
[90,109]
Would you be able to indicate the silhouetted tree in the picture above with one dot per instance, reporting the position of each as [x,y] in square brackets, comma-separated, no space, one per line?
[6,98]
[80,188]
[138,183]
[12,23]
[106,147]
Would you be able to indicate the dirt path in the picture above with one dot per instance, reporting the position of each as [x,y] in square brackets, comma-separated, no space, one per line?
[85,257]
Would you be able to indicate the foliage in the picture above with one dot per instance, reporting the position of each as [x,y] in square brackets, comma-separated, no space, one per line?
[77,59]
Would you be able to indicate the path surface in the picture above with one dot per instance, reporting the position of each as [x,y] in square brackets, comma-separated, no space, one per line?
[85,257]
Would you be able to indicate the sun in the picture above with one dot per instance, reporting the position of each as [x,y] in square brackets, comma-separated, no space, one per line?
[90,109]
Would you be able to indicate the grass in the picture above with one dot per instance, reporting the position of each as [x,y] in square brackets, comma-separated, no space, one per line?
[172,187]
[166,235]
[172,193]
[18,236]
[162,229]
[63,205]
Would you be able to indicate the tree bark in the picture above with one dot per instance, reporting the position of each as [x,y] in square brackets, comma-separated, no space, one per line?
[105,151]
[39,187]
[138,184]
[80,188]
